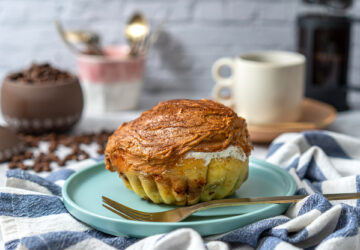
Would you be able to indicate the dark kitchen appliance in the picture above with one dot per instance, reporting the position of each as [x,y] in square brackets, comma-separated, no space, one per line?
[324,38]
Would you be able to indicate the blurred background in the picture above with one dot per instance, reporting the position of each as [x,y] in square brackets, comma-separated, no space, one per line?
[179,64]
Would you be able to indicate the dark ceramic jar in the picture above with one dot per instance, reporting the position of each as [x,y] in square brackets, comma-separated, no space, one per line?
[41,108]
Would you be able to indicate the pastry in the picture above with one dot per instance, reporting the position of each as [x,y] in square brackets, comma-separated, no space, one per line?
[181,152]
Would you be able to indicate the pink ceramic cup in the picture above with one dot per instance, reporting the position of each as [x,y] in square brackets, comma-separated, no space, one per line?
[113,82]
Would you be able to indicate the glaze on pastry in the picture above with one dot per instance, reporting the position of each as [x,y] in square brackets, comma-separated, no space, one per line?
[181,152]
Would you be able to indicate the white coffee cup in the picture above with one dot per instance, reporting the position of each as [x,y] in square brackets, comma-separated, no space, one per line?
[266,87]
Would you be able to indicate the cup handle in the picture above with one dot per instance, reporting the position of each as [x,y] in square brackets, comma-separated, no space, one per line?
[223,82]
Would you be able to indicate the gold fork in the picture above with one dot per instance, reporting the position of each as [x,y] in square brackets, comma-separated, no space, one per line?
[179,214]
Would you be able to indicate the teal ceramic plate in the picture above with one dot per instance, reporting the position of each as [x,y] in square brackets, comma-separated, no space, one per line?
[83,190]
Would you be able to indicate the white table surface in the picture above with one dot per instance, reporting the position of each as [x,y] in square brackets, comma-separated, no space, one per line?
[346,122]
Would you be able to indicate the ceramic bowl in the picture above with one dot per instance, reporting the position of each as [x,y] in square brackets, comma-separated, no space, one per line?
[41,108]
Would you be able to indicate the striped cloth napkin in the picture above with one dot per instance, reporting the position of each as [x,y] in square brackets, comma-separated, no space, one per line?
[32,215]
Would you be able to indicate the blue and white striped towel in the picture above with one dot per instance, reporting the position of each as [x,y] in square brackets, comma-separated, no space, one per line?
[32,214]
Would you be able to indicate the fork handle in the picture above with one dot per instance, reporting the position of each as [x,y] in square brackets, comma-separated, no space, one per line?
[268,200]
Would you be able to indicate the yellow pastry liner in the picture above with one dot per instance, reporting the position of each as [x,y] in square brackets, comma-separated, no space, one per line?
[190,181]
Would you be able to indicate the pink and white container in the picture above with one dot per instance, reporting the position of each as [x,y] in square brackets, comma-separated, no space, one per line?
[113,82]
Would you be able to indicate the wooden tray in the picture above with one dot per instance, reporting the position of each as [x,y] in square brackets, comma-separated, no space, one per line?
[315,115]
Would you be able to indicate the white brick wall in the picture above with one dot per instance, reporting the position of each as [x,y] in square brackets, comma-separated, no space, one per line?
[199,32]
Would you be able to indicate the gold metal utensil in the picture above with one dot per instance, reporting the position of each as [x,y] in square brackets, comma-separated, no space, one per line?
[136,32]
[61,31]
[78,36]
[91,40]
[179,214]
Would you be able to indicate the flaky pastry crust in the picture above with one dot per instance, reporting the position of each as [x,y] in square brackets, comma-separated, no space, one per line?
[162,135]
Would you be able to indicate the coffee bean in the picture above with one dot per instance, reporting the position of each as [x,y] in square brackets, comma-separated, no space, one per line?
[12,165]
[37,160]
[34,144]
[52,157]
[22,166]
[52,146]
[61,163]
[26,138]
[16,158]
[42,161]
[71,157]
[75,149]
[45,164]
[28,155]
[100,150]
[66,142]
[37,168]
[40,74]
[99,141]
[87,141]
[47,169]
[83,156]
[52,137]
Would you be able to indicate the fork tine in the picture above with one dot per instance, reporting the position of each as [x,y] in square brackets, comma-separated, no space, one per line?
[126,210]
[120,206]
[118,213]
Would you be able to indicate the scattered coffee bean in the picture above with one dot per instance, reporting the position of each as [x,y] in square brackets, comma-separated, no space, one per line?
[101,150]
[45,165]
[52,137]
[17,158]
[52,146]
[37,168]
[22,166]
[28,155]
[51,157]
[66,142]
[61,163]
[83,156]
[47,169]
[37,160]
[86,140]
[42,161]
[75,149]
[34,144]
[12,165]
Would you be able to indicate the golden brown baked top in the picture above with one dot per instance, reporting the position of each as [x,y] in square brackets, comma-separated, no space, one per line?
[163,134]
